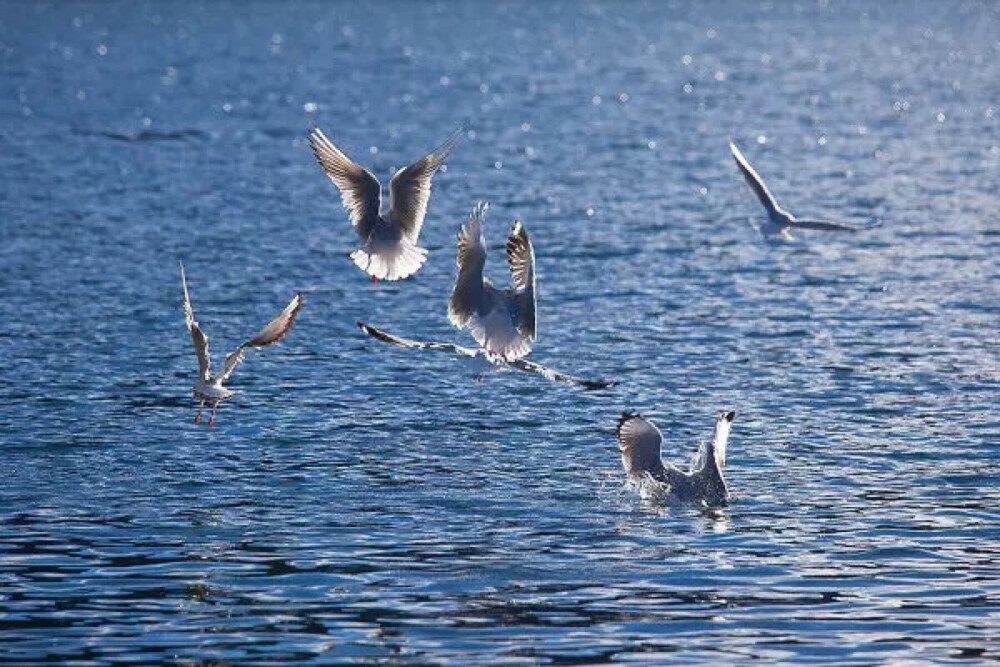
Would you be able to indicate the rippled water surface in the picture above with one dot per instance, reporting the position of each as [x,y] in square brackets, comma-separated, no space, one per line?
[361,502]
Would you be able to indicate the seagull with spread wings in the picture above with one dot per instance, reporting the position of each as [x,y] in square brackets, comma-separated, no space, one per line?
[487,361]
[209,388]
[501,320]
[639,442]
[389,249]
[779,221]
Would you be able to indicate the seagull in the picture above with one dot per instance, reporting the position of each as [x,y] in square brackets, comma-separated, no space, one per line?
[389,249]
[488,360]
[779,221]
[209,388]
[501,320]
[639,441]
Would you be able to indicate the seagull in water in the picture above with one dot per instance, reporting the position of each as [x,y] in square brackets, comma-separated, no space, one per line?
[639,441]
[486,360]
[779,221]
[208,388]
[501,320]
[389,249]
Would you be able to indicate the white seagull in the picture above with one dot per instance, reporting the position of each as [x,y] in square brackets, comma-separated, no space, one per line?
[209,388]
[779,221]
[501,320]
[639,441]
[478,354]
[389,249]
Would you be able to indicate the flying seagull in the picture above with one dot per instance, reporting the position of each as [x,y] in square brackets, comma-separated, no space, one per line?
[639,441]
[479,353]
[501,320]
[209,388]
[389,249]
[779,221]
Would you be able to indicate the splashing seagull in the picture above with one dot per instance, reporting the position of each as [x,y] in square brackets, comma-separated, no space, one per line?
[488,361]
[779,221]
[389,249]
[209,388]
[639,441]
[501,320]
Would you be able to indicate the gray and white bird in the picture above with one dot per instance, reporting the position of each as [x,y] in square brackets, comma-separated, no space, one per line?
[502,321]
[704,484]
[209,388]
[482,360]
[389,249]
[779,221]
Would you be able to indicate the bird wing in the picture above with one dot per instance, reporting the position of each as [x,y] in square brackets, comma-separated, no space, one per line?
[198,336]
[360,191]
[410,188]
[754,180]
[468,293]
[639,441]
[557,376]
[272,333]
[378,334]
[825,225]
[521,259]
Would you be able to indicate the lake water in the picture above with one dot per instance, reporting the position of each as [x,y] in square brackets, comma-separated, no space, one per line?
[365,503]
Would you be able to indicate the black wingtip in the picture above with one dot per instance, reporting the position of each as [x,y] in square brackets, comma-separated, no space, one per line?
[729,415]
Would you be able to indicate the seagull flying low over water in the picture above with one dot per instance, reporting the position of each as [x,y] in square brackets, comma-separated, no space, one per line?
[779,221]
[501,320]
[489,360]
[389,249]
[639,441]
[209,388]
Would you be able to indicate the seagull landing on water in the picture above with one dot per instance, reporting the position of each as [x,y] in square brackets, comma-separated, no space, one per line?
[501,320]
[389,249]
[209,388]
[639,441]
[484,359]
[779,221]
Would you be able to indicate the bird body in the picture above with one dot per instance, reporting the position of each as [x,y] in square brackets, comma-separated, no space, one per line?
[640,441]
[389,249]
[779,221]
[210,388]
[502,321]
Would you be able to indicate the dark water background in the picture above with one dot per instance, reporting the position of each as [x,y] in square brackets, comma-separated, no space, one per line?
[360,502]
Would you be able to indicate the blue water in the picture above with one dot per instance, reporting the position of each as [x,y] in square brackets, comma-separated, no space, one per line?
[361,502]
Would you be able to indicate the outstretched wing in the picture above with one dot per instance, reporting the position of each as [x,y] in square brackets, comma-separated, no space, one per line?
[556,376]
[272,333]
[754,180]
[825,225]
[197,335]
[410,188]
[639,442]
[378,334]
[521,259]
[468,293]
[360,191]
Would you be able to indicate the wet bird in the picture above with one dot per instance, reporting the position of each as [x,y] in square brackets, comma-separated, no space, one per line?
[389,249]
[502,321]
[779,221]
[209,388]
[704,484]
[483,360]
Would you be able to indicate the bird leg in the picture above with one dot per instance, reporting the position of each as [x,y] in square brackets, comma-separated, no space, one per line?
[197,417]
[211,419]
